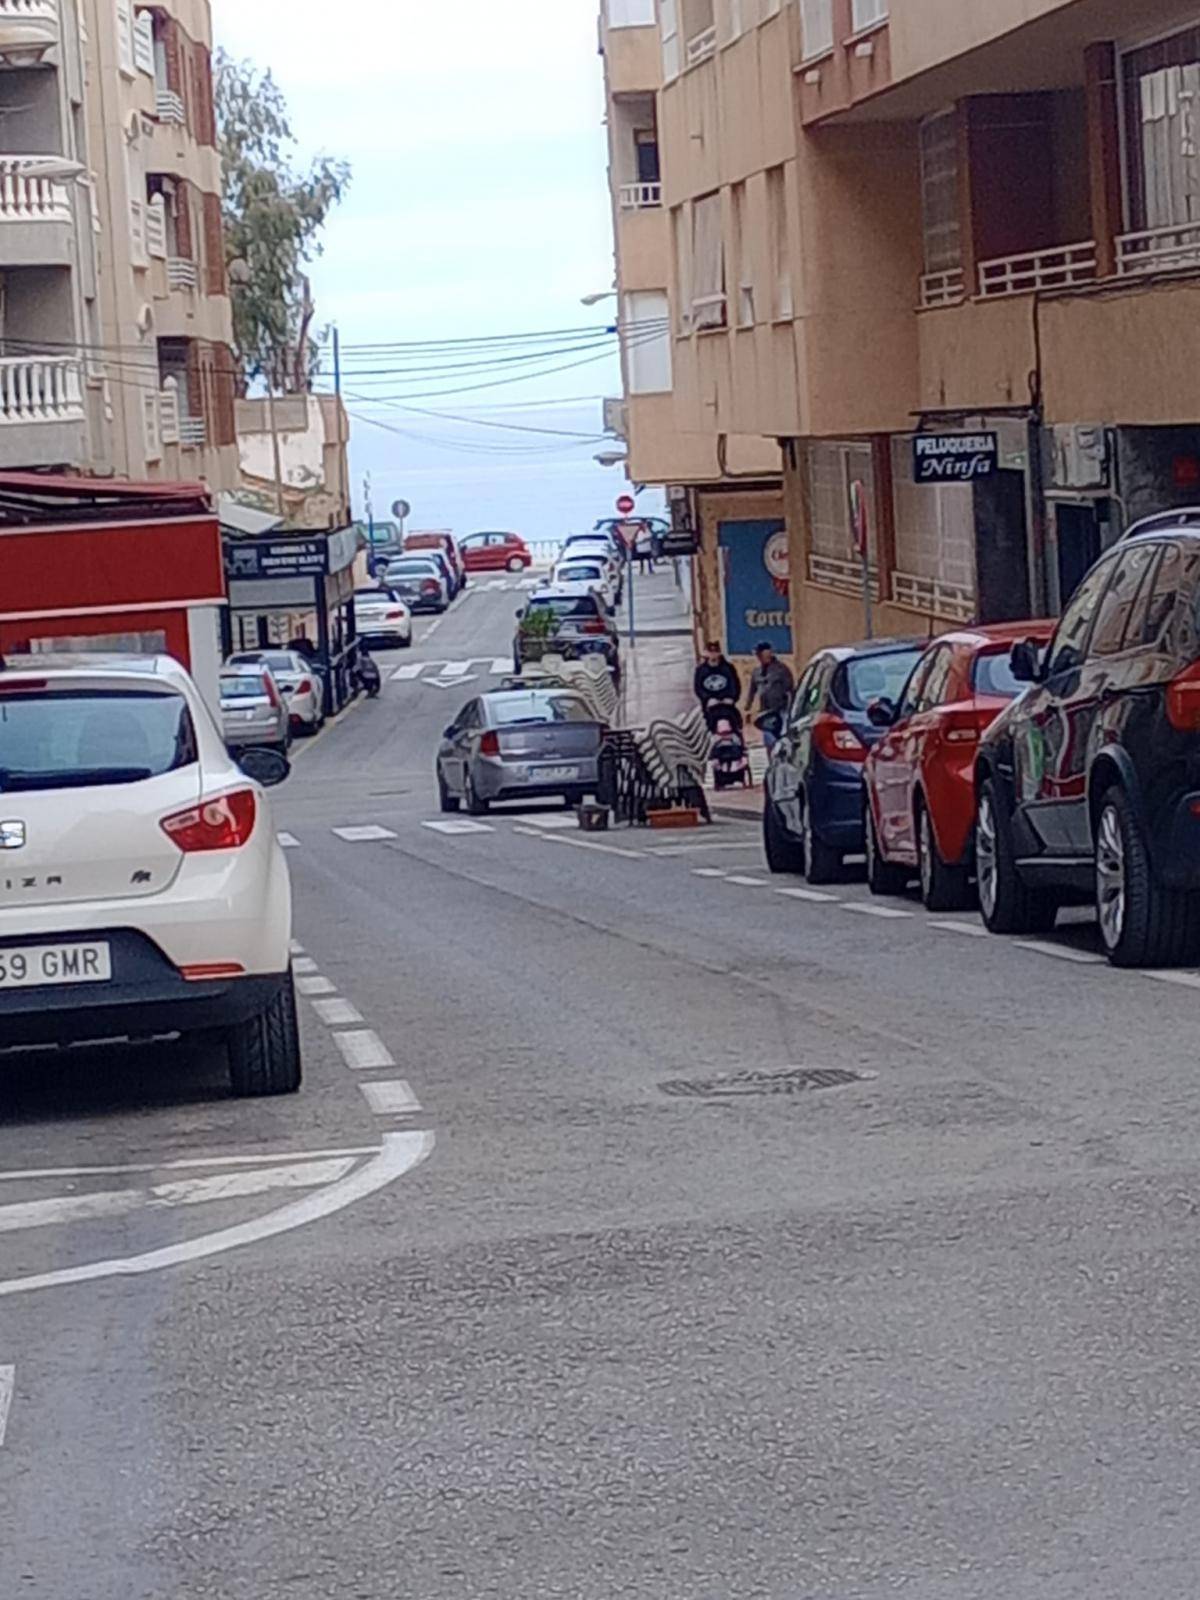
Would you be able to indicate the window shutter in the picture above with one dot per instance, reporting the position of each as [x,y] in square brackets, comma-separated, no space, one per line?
[214,246]
[184,242]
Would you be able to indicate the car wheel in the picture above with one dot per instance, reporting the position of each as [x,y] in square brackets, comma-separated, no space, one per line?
[446,800]
[883,876]
[1006,902]
[784,853]
[264,1053]
[475,804]
[943,887]
[823,864]
[1142,923]
[406,642]
[515,564]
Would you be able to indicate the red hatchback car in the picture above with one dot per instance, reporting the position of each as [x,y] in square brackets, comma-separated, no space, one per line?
[495,552]
[919,777]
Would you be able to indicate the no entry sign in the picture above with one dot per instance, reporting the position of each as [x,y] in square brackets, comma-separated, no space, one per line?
[626,505]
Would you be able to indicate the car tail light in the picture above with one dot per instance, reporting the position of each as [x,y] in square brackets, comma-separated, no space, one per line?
[202,971]
[594,626]
[836,741]
[395,614]
[489,745]
[269,689]
[1183,700]
[431,586]
[305,686]
[225,823]
[24,686]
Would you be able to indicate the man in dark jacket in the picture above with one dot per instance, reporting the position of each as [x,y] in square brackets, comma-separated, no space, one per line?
[716,682]
[771,684]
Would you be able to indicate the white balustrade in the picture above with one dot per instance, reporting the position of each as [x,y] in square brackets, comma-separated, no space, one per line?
[845,576]
[933,597]
[27,196]
[1173,249]
[701,46]
[1038,269]
[28,28]
[943,288]
[640,196]
[37,389]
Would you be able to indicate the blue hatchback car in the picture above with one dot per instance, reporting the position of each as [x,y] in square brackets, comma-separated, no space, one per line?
[813,806]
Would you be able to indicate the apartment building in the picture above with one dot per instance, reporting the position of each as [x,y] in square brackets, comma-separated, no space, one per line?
[948,255]
[164,308]
[52,410]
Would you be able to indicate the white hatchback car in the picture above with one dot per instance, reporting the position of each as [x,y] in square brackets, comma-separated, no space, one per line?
[143,891]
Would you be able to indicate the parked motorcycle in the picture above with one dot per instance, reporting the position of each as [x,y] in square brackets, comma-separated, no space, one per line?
[367,677]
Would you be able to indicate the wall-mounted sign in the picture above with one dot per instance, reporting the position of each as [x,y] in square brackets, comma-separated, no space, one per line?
[954,457]
[281,558]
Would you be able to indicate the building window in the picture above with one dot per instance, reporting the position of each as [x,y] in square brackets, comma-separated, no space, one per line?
[668,22]
[699,30]
[125,37]
[741,275]
[833,471]
[935,537]
[647,342]
[645,149]
[777,221]
[867,14]
[940,224]
[708,264]
[731,18]
[1162,99]
[816,27]
[631,13]
[681,234]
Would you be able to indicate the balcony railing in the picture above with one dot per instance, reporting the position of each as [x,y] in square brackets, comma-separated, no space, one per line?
[931,596]
[168,106]
[37,389]
[1172,249]
[26,196]
[156,229]
[181,273]
[28,29]
[1039,269]
[845,576]
[192,432]
[640,196]
[943,288]
[701,46]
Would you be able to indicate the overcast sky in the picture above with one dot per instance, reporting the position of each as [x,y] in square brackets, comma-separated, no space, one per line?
[479,206]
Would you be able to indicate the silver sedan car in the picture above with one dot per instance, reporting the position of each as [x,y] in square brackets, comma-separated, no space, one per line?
[519,744]
[253,712]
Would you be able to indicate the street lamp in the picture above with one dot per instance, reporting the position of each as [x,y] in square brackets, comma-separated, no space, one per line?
[611,458]
[595,299]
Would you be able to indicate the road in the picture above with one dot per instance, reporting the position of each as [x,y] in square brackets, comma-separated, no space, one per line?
[646,1227]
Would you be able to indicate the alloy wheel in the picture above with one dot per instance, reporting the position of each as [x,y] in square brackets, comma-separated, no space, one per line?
[1110,877]
[985,856]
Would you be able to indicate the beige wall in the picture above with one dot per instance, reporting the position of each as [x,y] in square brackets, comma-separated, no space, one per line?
[643,249]
[633,60]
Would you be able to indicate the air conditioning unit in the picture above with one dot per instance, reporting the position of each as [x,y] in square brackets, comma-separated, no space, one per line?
[1079,457]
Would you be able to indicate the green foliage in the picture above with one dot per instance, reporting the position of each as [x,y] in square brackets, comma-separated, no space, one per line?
[274,214]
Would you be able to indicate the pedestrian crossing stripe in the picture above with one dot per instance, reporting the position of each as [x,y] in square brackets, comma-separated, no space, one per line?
[448,671]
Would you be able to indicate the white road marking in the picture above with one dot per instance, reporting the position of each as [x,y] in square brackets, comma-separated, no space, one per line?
[363,1050]
[581,844]
[814,895]
[185,1164]
[447,683]
[1186,980]
[458,825]
[183,1192]
[697,849]
[748,883]
[391,1098]
[295,947]
[502,667]
[433,628]
[337,1012]
[553,819]
[529,583]
[8,1378]
[1059,952]
[409,671]
[364,833]
[303,964]
[316,985]
[455,669]
[708,872]
[400,1153]
[973,930]
[288,841]
[888,913]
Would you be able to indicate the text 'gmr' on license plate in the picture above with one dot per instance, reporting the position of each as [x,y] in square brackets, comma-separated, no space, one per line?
[36,964]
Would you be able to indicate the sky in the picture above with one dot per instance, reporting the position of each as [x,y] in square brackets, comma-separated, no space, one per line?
[479,207]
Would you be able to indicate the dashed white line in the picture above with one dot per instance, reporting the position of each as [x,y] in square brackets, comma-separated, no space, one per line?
[409,671]
[813,895]
[8,1379]
[288,841]
[973,930]
[552,820]
[315,985]
[433,628]
[707,872]
[295,947]
[363,833]
[458,825]
[668,850]
[1186,980]
[337,1012]
[885,913]
[391,1098]
[748,883]
[303,964]
[1059,952]
[580,844]
[363,1050]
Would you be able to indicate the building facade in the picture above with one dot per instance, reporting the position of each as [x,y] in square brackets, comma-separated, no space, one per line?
[293,459]
[947,257]
[164,309]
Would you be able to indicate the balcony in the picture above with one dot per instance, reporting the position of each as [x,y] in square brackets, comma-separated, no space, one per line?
[640,196]
[168,106]
[932,596]
[28,30]
[701,46]
[40,389]
[943,288]
[182,273]
[1171,249]
[1061,268]
[32,189]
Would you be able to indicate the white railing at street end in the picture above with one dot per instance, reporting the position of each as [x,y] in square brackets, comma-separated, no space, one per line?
[1173,249]
[40,389]
[1038,269]
[640,196]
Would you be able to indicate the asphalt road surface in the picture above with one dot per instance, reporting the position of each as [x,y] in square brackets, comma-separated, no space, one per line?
[646,1227]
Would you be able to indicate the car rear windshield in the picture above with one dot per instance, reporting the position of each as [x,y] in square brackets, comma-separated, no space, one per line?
[565,606]
[277,660]
[76,738]
[578,572]
[993,675]
[412,569]
[243,686]
[874,677]
[508,710]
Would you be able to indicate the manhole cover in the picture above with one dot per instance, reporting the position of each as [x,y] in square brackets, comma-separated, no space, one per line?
[791,1080]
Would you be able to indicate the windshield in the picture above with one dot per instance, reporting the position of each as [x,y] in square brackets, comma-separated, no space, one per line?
[509,710]
[993,675]
[65,739]
[877,677]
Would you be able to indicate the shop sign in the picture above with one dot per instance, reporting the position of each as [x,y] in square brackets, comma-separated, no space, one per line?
[281,558]
[680,542]
[954,457]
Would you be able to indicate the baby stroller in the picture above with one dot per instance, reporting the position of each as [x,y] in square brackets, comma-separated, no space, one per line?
[730,760]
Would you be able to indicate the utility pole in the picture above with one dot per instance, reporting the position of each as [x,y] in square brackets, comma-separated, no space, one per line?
[343,443]
[273,425]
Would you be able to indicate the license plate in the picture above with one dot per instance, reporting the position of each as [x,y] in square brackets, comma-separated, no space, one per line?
[37,964]
[555,774]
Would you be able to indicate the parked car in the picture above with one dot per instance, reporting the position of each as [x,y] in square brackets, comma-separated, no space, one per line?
[444,544]
[920,774]
[1089,783]
[602,548]
[300,684]
[519,744]
[382,618]
[150,894]
[567,625]
[495,552]
[253,712]
[813,799]
[420,581]
[583,576]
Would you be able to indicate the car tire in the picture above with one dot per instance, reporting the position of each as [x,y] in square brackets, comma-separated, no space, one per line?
[476,805]
[1142,923]
[784,853]
[515,564]
[446,800]
[1006,903]
[264,1053]
[822,863]
[943,887]
[883,877]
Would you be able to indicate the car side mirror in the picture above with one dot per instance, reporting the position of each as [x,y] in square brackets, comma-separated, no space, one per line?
[882,713]
[265,767]
[1025,662]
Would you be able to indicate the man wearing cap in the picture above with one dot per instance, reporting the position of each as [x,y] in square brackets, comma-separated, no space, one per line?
[771,684]
[716,682]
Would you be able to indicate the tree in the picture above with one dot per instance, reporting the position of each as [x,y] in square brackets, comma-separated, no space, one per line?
[273,216]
